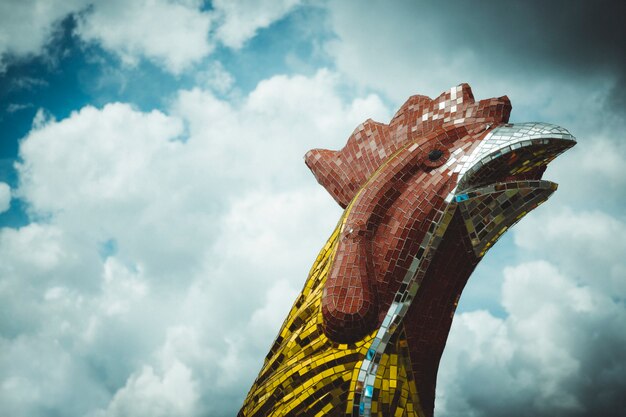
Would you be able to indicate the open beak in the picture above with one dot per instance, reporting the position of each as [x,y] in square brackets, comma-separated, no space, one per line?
[500,181]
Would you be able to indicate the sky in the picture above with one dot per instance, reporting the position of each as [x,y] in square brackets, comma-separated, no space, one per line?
[157,219]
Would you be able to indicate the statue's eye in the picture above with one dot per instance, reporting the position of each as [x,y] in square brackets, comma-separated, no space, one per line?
[434,155]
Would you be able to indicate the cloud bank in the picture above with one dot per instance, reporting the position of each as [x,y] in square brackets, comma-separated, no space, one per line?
[5,197]
[168,250]
[173,34]
[560,350]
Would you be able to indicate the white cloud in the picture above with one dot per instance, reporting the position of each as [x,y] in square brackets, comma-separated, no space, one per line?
[274,113]
[411,55]
[540,359]
[174,34]
[103,160]
[425,49]
[591,175]
[41,118]
[215,78]
[27,25]
[39,374]
[558,350]
[586,244]
[168,246]
[174,394]
[5,197]
[121,288]
[612,153]
[15,107]
[36,247]
[242,19]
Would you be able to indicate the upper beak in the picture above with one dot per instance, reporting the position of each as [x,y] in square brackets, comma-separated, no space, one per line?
[500,181]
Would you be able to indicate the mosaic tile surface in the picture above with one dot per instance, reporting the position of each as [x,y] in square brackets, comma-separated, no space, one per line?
[425,197]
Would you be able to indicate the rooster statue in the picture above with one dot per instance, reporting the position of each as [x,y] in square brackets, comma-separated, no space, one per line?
[425,197]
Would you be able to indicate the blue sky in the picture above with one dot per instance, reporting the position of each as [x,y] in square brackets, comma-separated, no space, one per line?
[157,219]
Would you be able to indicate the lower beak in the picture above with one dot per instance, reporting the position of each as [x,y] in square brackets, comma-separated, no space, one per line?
[501,182]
